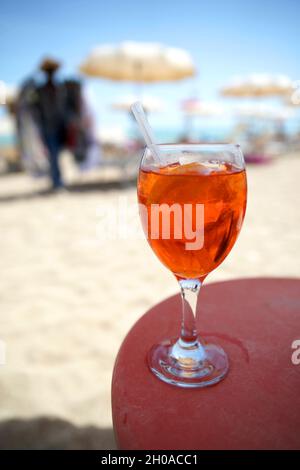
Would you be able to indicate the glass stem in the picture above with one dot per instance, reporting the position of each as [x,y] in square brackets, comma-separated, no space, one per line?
[190,289]
[188,352]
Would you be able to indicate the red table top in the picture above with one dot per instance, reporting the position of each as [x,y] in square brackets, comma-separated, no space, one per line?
[257,406]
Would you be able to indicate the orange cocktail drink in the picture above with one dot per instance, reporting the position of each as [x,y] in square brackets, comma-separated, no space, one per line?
[192,202]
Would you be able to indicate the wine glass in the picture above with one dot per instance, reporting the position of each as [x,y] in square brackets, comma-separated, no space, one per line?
[192,207]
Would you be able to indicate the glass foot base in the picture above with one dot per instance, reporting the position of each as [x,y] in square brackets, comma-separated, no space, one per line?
[188,365]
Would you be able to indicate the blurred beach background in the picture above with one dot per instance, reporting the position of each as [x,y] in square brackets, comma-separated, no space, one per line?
[70,289]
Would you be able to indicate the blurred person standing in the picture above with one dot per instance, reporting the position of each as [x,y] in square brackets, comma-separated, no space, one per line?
[51,117]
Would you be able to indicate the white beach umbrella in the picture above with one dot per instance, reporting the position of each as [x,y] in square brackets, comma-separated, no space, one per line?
[196,107]
[150,103]
[112,135]
[258,85]
[193,107]
[138,62]
[263,111]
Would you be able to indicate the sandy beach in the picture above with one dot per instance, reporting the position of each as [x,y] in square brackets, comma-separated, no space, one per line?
[69,295]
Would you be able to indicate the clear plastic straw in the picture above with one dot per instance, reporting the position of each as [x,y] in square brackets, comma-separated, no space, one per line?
[146,130]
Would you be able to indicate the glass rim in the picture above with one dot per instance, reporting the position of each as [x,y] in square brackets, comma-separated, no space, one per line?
[207,145]
[224,151]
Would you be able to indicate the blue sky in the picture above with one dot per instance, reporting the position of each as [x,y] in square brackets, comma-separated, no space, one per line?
[225,38]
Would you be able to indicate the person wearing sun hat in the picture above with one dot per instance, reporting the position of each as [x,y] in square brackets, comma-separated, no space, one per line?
[50,105]
[49,64]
